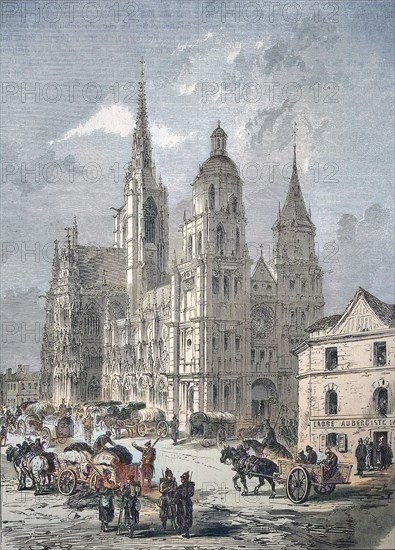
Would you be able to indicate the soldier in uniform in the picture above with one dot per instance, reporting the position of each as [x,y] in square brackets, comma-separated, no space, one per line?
[175,433]
[102,441]
[185,493]
[168,490]
[147,461]
[130,507]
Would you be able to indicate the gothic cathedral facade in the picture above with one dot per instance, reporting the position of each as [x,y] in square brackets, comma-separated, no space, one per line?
[202,332]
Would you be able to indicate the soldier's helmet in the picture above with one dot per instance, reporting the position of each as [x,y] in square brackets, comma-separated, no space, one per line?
[108,432]
[148,444]
[168,473]
[185,476]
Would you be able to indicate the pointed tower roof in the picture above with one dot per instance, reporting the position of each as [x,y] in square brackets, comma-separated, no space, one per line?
[294,207]
[142,148]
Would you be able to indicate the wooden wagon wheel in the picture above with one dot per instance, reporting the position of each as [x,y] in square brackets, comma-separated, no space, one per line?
[93,480]
[298,485]
[141,429]
[162,428]
[21,427]
[46,436]
[324,489]
[67,482]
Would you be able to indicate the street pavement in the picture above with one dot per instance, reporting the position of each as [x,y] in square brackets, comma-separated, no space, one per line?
[358,516]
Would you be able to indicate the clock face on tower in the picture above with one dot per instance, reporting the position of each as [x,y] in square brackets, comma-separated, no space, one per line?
[262,321]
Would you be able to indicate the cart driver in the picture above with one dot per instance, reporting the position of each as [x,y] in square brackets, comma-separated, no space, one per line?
[102,441]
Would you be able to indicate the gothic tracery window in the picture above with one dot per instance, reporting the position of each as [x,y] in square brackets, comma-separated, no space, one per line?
[190,247]
[150,215]
[220,239]
[211,197]
[237,240]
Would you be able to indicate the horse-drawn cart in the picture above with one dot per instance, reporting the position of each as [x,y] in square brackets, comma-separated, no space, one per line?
[148,421]
[300,478]
[85,469]
[56,429]
[212,427]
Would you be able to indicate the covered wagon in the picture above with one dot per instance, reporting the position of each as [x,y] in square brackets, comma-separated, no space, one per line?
[150,420]
[212,428]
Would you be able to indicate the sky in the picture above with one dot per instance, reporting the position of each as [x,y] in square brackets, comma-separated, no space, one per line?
[69,90]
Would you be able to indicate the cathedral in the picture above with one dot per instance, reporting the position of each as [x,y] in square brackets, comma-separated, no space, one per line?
[204,331]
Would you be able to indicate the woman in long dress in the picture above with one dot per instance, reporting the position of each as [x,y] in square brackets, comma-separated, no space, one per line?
[105,487]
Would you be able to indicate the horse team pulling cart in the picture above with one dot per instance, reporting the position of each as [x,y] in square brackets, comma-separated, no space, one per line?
[212,427]
[300,478]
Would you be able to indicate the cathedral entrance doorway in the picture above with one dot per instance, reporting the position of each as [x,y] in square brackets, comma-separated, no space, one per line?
[264,400]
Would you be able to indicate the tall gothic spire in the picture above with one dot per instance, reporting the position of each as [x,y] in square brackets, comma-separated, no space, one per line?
[294,207]
[142,148]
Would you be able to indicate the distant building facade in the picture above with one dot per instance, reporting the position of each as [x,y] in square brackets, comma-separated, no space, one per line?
[199,332]
[20,386]
[347,377]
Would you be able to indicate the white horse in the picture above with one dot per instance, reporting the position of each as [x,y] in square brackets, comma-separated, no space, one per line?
[36,467]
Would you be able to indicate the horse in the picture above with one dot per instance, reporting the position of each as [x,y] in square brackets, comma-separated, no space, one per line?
[260,449]
[39,468]
[251,466]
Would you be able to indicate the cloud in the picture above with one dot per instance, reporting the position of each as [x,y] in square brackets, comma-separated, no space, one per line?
[114,119]
[163,137]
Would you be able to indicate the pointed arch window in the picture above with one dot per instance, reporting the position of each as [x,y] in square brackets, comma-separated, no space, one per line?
[226,287]
[227,398]
[200,243]
[150,215]
[211,197]
[233,204]
[190,243]
[331,404]
[237,240]
[220,239]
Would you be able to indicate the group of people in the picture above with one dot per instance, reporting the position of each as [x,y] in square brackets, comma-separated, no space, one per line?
[368,456]
[175,503]
[330,461]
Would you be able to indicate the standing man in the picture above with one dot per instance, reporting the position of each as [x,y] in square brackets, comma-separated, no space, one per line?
[175,433]
[370,456]
[168,490]
[147,461]
[130,507]
[3,436]
[87,423]
[360,455]
[185,493]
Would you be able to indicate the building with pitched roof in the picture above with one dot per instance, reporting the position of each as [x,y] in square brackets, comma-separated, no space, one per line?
[198,332]
[347,377]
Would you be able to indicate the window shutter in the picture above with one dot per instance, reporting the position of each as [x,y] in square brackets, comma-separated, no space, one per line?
[342,443]
[322,442]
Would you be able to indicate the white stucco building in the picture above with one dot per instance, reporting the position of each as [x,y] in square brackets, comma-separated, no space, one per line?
[346,377]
